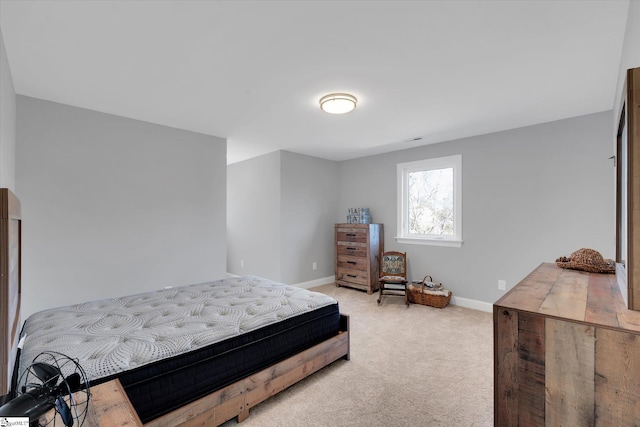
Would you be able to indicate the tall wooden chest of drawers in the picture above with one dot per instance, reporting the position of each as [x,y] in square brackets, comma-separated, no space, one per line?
[358,249]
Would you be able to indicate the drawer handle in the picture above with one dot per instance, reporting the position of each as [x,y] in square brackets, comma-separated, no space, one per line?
[352,275]
[351,234]
[351,262]
[351,249]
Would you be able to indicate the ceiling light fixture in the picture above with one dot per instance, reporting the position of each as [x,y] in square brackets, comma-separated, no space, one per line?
[338,103]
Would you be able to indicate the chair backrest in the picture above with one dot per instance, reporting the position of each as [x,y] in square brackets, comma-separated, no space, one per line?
[393,264]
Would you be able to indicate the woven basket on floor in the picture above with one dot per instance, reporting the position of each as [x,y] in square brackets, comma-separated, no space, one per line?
[417,295]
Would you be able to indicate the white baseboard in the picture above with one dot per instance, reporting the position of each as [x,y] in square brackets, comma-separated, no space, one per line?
[462,302]
[316,282]
[472,303]
[305,285]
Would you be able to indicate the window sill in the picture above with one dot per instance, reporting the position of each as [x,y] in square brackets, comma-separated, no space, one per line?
[430,242]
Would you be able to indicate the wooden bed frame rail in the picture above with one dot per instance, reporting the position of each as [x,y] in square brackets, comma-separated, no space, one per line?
[10,284]
[110,406]
[237,398]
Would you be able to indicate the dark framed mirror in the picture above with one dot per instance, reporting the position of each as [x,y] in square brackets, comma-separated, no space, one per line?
[628,192]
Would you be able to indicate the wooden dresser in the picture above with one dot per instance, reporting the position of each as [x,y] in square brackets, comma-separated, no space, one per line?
[566,352]
[358,249]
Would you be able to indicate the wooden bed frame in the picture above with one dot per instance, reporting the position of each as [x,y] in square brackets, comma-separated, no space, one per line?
[109,400]
[10,284]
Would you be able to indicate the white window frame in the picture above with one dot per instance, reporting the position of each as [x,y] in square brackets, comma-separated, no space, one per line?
[404,169]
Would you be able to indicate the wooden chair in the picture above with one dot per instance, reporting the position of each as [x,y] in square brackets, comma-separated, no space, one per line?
[393,275]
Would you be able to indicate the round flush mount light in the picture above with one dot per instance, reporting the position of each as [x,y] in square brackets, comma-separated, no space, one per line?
[338,103]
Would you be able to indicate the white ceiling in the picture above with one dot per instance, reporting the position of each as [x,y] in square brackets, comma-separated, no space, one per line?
[253,71]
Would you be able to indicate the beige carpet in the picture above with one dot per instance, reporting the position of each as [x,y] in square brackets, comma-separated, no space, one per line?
[416,366]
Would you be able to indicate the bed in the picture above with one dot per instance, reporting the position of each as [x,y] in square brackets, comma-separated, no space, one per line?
[206,351]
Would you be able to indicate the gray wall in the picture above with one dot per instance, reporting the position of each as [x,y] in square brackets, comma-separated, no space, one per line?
[529,195]
[630,56]
[253,217]
[281,209]
[114,206]
[309,199]
[7,122]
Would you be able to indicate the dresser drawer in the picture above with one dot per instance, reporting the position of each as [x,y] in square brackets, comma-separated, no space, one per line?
[351,235]
[353,262]
[352,248]
[353,276]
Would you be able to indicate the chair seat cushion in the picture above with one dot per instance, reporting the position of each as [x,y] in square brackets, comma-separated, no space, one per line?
[393,279]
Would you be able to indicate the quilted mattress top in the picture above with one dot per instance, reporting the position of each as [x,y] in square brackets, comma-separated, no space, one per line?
[111,336]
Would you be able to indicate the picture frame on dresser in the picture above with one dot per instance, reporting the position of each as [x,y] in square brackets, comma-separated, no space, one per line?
[358,248]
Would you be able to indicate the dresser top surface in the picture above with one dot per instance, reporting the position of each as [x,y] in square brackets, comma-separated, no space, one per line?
[574,295]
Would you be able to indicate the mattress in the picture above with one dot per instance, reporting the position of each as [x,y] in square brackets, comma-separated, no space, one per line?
[173,346]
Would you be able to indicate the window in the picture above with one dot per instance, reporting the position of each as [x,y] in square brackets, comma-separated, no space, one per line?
[430,202]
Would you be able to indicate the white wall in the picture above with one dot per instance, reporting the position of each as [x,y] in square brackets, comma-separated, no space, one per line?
[114,206]
[281,209]
[529,195]
[7,122]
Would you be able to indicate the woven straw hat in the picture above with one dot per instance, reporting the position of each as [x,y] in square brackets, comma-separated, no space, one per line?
[587,260]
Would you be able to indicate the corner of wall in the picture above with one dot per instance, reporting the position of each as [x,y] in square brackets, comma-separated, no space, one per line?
[7,122]
[629,58]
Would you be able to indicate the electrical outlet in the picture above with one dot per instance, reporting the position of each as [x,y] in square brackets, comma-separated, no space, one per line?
[241,263]
[502,285]
[314,266]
